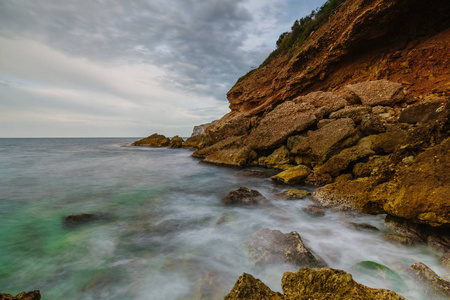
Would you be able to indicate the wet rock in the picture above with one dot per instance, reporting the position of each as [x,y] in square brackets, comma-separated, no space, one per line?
[381,271]
[405,229]
[431,279]
[380,92]
[274,247]
[314,211]
[318,179]
[328,140]
[364,226]
[342,160]
[33,295]
[73,221]
[243,196]
[353,112]
[445,261]
[293,175]
[283,121]
[399,239]
[293,194]
[249,288]
[328,283]
[253,173]
[279,157]
[422,112]
[438,244]
[208,287]
[388,142]
[225,218]
[372,124]
[154,140]
[176,142]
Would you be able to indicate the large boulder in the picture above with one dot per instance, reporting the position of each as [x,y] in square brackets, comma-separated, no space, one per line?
[176,142]
[243,196]
[353,112]
[307,283]
[286,119]
[328,140]
[274,247]
[155,140]
[379,92]
[293,175]
[344,159]
[388,142]
[319,99]
[249,288]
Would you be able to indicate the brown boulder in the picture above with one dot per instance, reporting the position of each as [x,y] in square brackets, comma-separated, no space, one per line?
[370,167]
[293,175]
[345,158]
[176,142]
[236,157]
[388,142]
[34,295]
[283,121]
[314,211]
[195,142]
[155,140]
[328,283]
[328,140]
[372,124]
[379,92]
[319,99]
[243,196]
[274,247]
[249,288]
[353,112]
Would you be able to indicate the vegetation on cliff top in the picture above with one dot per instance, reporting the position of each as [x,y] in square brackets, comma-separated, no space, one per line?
[300,31]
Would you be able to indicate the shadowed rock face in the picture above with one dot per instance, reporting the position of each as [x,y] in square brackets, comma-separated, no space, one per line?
[309,284]
[243,196]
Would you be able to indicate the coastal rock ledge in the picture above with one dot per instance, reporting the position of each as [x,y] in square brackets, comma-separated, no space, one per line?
[323,283]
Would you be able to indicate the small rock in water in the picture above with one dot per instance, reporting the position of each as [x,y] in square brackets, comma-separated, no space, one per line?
[364,226]
[314,211]
[431,279]
[274,247]
[244,196]
[225,218]
[293,194]
[399,239]
[81,219]
[33,295]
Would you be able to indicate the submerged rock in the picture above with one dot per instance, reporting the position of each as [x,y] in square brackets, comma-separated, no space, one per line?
[33,295]
[293,175]
[81,219]
[431,279]
[363,226]
[309,283]
[155,140]
[314,210]
[243,196]
[274,247]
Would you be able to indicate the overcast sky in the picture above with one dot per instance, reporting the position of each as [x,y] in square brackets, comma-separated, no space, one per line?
[93,68]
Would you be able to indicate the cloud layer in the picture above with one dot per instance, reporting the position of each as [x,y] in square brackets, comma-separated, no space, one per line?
[129,68]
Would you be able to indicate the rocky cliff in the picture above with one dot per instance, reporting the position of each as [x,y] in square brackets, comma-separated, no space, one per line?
[363,101]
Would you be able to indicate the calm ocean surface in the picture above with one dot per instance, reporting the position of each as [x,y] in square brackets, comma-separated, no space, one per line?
[158,237]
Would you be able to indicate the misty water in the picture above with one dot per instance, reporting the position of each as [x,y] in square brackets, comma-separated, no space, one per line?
[158,237]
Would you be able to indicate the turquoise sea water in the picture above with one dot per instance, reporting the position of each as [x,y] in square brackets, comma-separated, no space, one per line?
[158,238]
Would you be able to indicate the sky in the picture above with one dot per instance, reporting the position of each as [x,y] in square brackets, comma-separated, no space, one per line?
[114,68]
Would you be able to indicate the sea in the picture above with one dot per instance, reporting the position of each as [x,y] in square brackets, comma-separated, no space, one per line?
[162,230]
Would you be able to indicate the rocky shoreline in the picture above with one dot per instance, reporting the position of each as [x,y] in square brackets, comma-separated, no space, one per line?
[360,110]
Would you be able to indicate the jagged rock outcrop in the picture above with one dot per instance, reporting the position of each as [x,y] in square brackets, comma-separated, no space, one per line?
[200,129]
[176,142]
[154,140]
[33,295]
[309,283]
